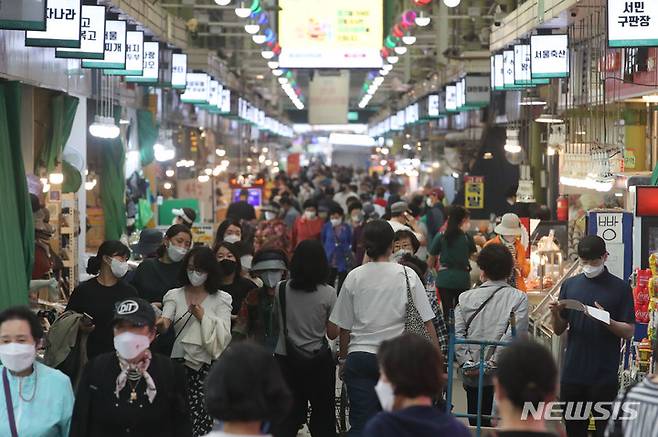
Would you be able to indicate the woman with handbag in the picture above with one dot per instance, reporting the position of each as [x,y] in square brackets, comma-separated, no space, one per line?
[484,314]
[337,240]
[379,301]
[307,363]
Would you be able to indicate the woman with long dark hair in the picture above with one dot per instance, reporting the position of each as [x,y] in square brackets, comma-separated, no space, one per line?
[454,248]
[233,283]
[200,314]
[96,297]
[306,300]
[370,309]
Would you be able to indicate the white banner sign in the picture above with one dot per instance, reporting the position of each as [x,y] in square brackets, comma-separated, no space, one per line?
[632,23]
[225,107]
[115,47]
[508,68]
[62,26]
[178,71]
[151,64]
[451,98]
[92,31]
[198,88]
[134,56]
[522,75]
[329,98]
[610,227]
[23,15]
[549,56]
[499,68]
[433,105]
[478,92]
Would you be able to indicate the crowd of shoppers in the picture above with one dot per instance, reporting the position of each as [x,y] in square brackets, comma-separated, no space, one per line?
[236,339]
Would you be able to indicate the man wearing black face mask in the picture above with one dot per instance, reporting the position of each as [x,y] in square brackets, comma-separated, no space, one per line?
[592,356]
[232,282]
[257,318]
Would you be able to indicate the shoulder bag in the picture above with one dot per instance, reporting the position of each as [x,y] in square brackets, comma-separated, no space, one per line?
[413,322]
[10,404]
[294,352]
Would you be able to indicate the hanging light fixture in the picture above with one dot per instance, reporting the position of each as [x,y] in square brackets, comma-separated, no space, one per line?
[258,39]
[549,118]
[170,173]
[400,50]
[223,2]
[422,20]
[451,3]
[273,65]
[409,39]
[56,178]
[104,126]
[277,72]
[251,28]
[242,11]
[392,59]
[267,54]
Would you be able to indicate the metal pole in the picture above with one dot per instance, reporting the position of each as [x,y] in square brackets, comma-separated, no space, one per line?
[480,390]
[451,360]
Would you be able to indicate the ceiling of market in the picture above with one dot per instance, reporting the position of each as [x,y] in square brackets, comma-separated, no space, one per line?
[452,34]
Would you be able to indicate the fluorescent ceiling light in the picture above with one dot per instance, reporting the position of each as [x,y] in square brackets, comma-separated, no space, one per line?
[549,118]
[351,140]
[529,101]
[650,99]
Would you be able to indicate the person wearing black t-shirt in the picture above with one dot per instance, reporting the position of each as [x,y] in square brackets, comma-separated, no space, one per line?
[132,391]
[155,277]
[591,360]
[526,374]
[98,296]
[232,282]
[241,210]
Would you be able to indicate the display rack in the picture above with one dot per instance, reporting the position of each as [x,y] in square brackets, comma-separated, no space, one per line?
[69,224]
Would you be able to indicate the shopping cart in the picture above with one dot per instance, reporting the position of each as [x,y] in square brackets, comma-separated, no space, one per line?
[451,358]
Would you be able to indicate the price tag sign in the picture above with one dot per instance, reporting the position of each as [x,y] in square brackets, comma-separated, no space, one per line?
[115,47]
[178,71]
[23,15]
[474,192]
[134,56]
[92,31]
[62,26]
[549,56]
[198,89]
[151,64]
[632,23]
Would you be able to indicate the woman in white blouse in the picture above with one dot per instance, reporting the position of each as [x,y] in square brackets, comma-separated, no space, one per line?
[201,317]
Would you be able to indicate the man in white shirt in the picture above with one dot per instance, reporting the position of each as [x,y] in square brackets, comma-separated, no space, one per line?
[401,219]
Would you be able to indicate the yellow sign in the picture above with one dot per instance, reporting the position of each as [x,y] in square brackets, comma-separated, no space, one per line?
[474,192]
[330,34]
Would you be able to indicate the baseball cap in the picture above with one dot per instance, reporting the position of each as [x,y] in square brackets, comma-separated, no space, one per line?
[187,214]
[438,192]
[150,241]
[399,208]
[136,311]
[591,247]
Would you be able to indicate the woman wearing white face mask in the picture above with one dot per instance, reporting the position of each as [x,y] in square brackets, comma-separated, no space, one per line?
[411,377]
[154,277]
[131,391]
[257,318]
[40,401]
[229,230]
[200,314]
[97,296]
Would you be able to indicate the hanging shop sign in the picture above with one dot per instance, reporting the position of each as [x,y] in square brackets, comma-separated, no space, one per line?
[459,92]
[225,106]
[23,15]
[412,114]
[92,31]
[522,68]
[474,192]
[499,68]
[178,71]
[508,69]
[632,23]
[62,26]
[549,56]
[477,91]
[151,64]
[526,191]
[492,72]
[434,106]
[451,98]
[134,56]
[115,47]
[213,96]
[198,89]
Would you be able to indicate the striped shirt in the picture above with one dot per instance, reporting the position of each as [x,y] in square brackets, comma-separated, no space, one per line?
[645,397]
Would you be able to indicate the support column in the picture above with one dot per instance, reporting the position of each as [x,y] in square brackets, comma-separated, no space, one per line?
[536,153]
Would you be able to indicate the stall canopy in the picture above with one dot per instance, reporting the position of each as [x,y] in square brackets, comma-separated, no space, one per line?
[147,131]
[17,248]
[113,185]
[63,113]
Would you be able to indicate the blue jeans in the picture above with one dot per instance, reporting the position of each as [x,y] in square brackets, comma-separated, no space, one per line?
[361,376]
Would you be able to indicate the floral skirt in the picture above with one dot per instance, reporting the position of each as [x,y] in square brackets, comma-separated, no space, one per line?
[202,423]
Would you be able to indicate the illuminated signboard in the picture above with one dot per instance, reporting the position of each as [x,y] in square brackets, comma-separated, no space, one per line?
[522,73]
[134,56]
[549,56]
[23,15]
[92,31]
[225,107]
[508,69]
[178,71]
[451,98]
[151,64]
[632,23]
[499,68]
[331,34]
[198,88]
[433,105]
[62,26]
[478,92]
[115,47]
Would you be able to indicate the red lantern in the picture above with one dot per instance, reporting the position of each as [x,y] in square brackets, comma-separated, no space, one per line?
[277,49]
[384,52]
[397,31]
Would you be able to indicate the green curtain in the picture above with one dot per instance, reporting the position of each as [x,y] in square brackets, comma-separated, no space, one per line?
[144,213]
[147,132]
[17,230]
[72,178]
[654,176]
[112,182]
[63,109]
